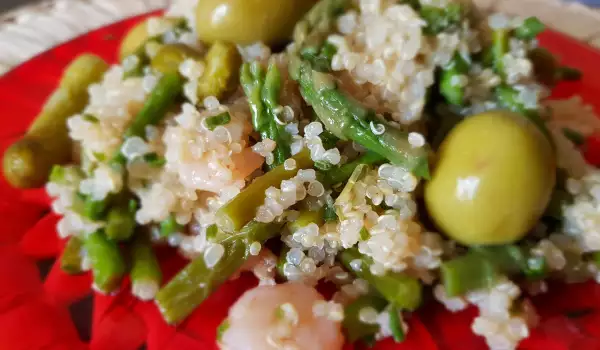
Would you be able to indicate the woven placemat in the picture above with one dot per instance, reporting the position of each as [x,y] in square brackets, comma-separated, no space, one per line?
[30,30]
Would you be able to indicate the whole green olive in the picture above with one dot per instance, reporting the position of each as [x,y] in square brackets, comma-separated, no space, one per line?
[249,21]
[494,179]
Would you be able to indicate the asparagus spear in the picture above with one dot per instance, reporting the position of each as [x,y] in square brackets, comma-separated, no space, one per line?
[306,218]
[120,221]
[146,275]
[481,268]
[340,174]
[263,96]
[241,209]
[70,261]
[347,119]
[164,95]
[108,266]
[354,328]
[400,290]
[441,19]
[500,40]
[196,281]
[318,22]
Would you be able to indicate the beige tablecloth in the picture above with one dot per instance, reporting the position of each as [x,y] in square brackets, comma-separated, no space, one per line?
[30,30]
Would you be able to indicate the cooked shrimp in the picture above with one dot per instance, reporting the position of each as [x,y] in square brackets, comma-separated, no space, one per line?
[280,317]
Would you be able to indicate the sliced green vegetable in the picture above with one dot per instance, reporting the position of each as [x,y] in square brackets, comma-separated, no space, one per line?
[396,325]
[530,29]
[353,327]
[70,261]
[108,265]
[218,120]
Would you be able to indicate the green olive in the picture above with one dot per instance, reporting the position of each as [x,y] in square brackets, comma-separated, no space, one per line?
[494,178]
[249,21]
[169,57]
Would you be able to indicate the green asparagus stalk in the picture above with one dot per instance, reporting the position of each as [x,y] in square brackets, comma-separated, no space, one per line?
[402,291]
[163,97]
[192,285]
[306,218]
[146,276]
[70,261]
[481,268]
[95,210]
[263,96]
[500,41]
[241,209]
[396,325]
[120,221]
[347,119]
[343,173]
[441,19]
[108,266]
[353,327]
[312,30]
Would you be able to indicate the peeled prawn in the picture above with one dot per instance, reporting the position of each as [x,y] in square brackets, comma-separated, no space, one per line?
[280,317]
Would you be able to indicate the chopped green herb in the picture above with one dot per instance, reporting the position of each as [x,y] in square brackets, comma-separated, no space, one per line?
[329,214]
[574,136]
[323,165]
[530,29]
[211,232]
[222,328]
[396,325]
[169,226]
[90,118]
[154,160]
[218,120]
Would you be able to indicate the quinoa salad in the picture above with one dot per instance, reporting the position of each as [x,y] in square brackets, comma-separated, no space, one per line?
[384,151]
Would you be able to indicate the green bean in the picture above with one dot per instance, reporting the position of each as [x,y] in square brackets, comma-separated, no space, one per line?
[108,266]
[70,261]
[146,275]
[192,285]
[353,327]
[347,119]
[240,210]
[401,290]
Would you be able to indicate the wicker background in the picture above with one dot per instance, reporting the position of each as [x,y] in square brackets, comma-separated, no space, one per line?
[32,29]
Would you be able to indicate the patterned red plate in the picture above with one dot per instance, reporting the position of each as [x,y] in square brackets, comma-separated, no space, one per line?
[46,313]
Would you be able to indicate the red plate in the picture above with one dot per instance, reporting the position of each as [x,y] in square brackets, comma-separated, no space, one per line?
[34,313]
